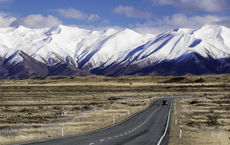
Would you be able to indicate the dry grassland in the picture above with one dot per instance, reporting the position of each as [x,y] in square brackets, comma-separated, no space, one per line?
[39,101]
[205,121]
[87,122]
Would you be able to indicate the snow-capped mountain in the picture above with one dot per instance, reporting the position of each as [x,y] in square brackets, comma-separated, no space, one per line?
[63,50]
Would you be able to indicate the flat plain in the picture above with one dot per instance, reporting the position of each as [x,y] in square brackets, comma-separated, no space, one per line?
[43,100]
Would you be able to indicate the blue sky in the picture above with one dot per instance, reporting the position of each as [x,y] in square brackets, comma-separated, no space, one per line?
[144,16]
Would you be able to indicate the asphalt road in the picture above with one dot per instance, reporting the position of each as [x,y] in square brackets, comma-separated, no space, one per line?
[149,127]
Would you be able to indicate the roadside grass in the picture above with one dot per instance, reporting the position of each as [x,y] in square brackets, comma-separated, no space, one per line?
[205,121]
[87,122]
[42,100]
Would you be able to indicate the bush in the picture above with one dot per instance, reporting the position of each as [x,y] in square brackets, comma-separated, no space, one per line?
[200,80]
[76,108]
[25,110]
[57,108]
[194,102]
[86,107]
[175,80]
[40,107]
[212,118]
[39,78]
[93,103]
[191,124]
[227,108]
[113,98]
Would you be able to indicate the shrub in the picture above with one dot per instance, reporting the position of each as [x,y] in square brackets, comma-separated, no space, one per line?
[40,107]
[86,107]
[76,108]
[227,107]
[57,108]
[39,78]
[212,118]
[113,98]
[93,103]
[200,80]
[175,80]
[194,102]
[25,110]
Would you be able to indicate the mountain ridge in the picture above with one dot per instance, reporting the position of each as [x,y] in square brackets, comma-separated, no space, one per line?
[64,50]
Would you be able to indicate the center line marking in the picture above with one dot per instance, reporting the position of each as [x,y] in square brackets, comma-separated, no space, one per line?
[132,129]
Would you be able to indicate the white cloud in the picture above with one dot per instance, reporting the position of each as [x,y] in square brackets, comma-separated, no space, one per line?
[224,22]
[93,17]
[192,5]
[131,12]
[37,21]
[106,21]
[76,14]
[181,20]
[176,21]
[71,13]
[31,21]
[6,19]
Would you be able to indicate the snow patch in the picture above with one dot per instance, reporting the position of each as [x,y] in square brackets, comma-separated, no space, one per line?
[100,49]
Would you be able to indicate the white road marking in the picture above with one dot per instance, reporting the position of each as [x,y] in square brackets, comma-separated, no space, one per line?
[133,129]
[166,125]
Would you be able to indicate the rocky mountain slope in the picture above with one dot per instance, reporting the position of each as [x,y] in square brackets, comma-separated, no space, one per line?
[69,51]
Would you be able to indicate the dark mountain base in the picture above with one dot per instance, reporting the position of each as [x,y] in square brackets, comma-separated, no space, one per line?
[30,67]
[193,65]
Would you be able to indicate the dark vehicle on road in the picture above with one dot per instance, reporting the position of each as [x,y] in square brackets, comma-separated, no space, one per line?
[164,102]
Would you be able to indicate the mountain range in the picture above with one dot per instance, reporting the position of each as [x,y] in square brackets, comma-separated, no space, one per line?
[71,51]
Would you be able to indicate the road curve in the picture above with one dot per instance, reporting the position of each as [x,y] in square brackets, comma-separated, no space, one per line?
[149,127]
